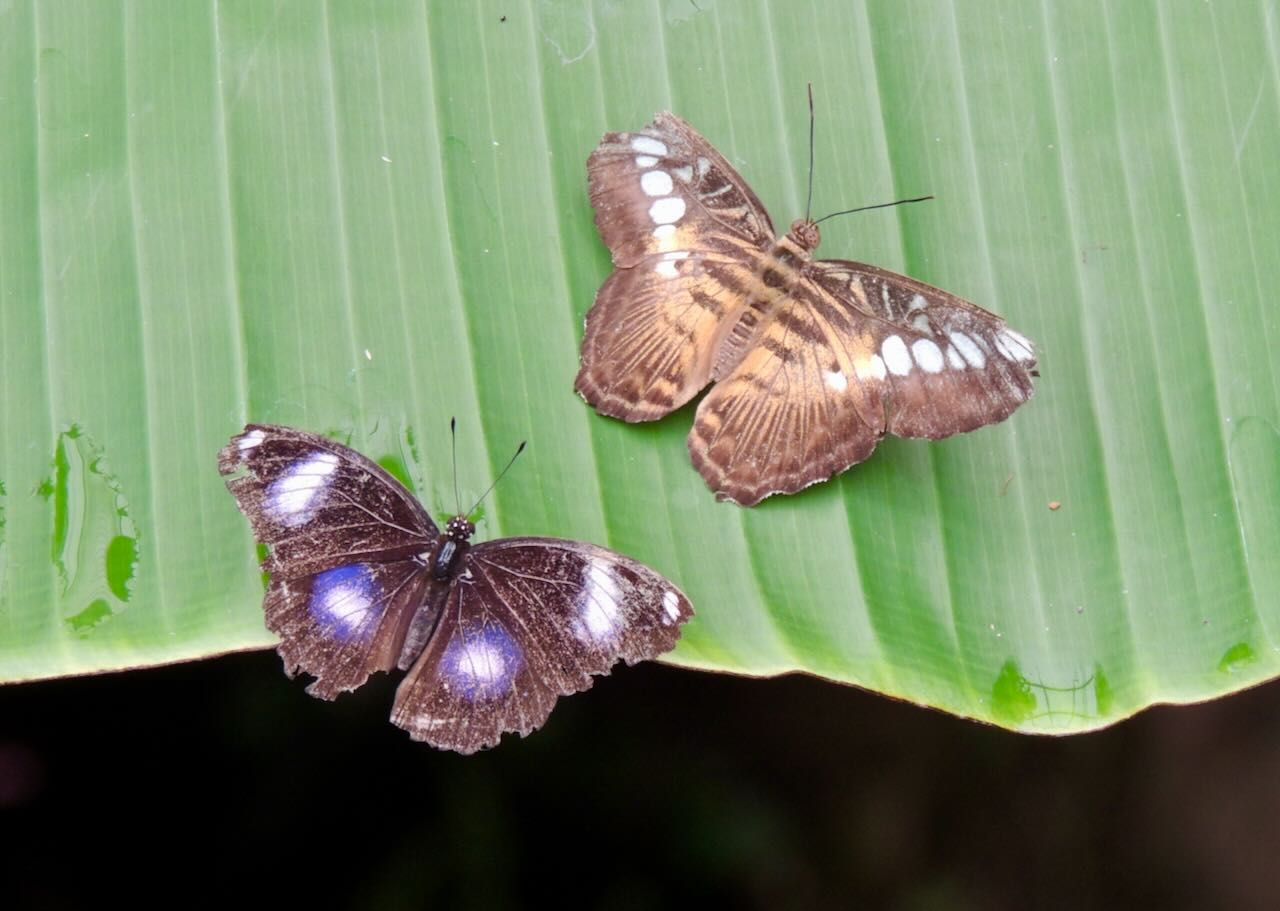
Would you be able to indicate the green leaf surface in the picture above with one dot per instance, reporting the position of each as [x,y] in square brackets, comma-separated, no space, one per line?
[364,218]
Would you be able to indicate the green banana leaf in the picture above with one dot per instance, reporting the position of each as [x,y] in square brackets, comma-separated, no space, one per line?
[364,218]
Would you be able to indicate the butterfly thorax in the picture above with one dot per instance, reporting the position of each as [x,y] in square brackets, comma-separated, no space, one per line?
[777,273]
[450,547]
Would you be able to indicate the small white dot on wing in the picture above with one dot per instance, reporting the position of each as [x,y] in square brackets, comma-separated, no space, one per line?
[667,210]
[954,360]
[927,355]
[685,173]
[704,165]
[655,183]
[920,323]
[645,161]
[648,145]
[250,440]
[671,605]
[1014,346]
[836,380]
[896,358]
[917,302]
[969,350]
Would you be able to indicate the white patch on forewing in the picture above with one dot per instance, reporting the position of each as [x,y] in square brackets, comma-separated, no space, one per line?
[1015,346]
[293,497]
[836,380]
[969,350]
[648,145]
[671,604]
[920,323]
[704,166]
[600,605]
[954,360]
[917,302]
[666,211]
[665,236]
[655,183]
[872,368]
[645,161]
[666,267]
[927,355]
[685,173]
[250,440]
[895,355]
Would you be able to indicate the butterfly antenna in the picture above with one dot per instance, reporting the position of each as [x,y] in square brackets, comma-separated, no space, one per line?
[519,449]
[883,205]
[809,202]
[453,437]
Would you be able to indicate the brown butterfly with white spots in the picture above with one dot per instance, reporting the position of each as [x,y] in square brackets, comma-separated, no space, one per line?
[813,360]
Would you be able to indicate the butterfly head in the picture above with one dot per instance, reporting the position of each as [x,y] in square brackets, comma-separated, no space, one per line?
[459,529]
[804,233]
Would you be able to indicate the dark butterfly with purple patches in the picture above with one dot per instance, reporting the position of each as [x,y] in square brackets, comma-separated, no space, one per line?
[491,634]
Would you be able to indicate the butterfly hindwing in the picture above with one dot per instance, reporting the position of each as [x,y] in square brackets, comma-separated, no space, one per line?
[529,620]
[345,623]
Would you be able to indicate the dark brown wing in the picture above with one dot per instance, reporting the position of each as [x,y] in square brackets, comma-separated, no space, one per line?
[686,234]
[348,548]
[528,620]
[853,353]
[318,504]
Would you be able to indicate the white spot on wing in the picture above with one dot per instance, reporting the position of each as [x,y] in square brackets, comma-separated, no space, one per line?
[920,323]
[665,236]
[872,368]
[482,663]
[671,604]
[685,173]
[600,605]
[917,302]
[969,350]
[927,355]
[666,267]
[645,161]
[954,360]
[250,440]
[836,380]
[655,183]
[703,166]
[341,600]
[1015,346]
[648,145]
[293,497]
[896,358]
[667,210]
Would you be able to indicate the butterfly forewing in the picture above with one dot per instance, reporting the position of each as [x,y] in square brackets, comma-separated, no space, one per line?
[950,366]
[318,504]
[529,620]
[666,189]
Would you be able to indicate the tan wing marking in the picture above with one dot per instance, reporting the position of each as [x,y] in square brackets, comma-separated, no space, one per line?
[650,336]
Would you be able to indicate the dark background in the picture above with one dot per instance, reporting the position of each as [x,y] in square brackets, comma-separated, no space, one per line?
[221,781]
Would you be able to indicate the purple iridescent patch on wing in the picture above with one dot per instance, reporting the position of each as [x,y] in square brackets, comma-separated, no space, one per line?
[482,663]
[345,602]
